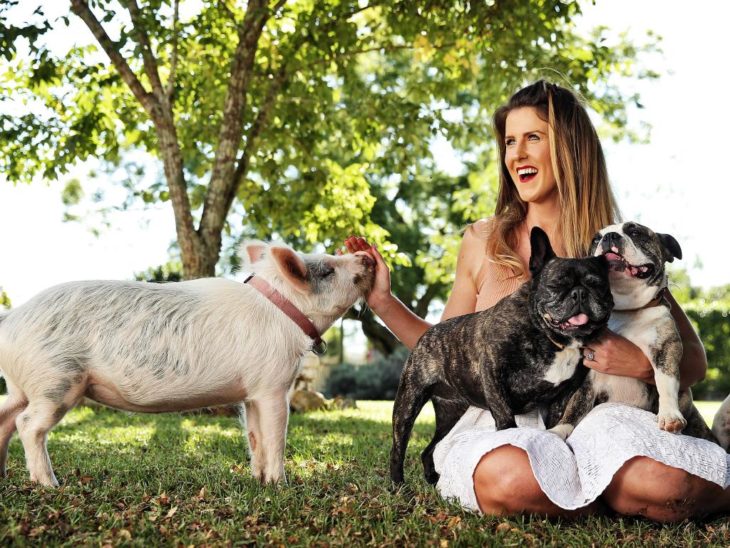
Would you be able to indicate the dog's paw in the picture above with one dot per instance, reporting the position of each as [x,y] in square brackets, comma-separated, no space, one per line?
[432,477]
[671,421]
[562,430]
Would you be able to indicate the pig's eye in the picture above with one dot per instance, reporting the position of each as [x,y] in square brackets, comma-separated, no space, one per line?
[327,271]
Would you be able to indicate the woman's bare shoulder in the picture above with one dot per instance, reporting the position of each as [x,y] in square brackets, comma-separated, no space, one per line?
[474,245]
[481,229]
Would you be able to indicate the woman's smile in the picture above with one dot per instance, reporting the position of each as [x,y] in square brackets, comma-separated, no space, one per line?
[526,173]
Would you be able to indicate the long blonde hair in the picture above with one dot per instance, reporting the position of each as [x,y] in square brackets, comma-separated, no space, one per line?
[585,195]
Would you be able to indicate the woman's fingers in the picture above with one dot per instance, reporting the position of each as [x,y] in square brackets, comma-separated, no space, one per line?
[357,243]
[375,254]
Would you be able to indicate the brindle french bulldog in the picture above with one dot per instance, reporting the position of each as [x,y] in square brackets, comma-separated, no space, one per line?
[522,353]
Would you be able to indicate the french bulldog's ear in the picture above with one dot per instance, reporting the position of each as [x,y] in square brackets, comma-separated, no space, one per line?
[671,247]
[540,250]
[251,251]
[291,266]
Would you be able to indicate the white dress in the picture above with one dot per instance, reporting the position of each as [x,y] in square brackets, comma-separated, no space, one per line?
[572,473]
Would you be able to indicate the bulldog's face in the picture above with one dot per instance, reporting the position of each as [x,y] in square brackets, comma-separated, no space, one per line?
[571,296]
[636,256]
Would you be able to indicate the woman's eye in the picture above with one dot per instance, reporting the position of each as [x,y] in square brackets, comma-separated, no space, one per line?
[533,137]
[509,142]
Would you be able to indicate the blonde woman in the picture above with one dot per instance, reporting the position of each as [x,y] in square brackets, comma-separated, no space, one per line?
[553,175]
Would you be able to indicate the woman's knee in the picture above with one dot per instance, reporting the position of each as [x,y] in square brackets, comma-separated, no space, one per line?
[648,488]
[505,484]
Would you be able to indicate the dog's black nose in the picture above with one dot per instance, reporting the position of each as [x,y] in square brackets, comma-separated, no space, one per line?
[612,241]
[578,294]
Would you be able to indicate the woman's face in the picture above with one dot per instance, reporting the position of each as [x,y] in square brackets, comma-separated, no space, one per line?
[527,155]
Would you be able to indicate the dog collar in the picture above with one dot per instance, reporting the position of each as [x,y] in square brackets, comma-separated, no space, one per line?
[285,305]
[659,299]
[556,343]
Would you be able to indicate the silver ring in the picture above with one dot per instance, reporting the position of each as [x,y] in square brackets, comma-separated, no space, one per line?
[589,355]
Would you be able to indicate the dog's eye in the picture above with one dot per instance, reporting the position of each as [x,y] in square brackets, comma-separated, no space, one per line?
[557,287]
[596,238]
[327,272]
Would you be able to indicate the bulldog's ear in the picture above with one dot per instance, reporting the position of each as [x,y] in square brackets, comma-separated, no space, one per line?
[540,250]
[291,266]
[671,247]
[251,251]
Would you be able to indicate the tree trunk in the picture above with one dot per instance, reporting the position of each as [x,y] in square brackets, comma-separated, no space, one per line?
[378,335]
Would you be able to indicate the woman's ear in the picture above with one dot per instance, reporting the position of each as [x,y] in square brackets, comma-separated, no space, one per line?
[291,266]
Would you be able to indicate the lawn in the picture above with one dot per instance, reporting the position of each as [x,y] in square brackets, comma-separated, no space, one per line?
[168,479]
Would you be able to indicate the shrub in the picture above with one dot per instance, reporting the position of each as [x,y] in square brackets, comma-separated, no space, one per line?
[713,326]
[377,380]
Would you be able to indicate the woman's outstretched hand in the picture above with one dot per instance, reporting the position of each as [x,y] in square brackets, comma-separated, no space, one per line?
[381,293]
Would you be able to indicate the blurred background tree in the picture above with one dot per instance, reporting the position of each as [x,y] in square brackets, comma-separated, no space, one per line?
[708,310]
[302,120]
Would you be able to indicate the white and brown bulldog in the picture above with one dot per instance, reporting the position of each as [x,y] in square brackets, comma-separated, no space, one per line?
[637,257]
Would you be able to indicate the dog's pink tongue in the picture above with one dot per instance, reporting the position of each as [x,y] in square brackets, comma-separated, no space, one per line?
[613,257]
[578,319]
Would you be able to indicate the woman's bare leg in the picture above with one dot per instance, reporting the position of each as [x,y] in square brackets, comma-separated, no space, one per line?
[504,484]
[645,487]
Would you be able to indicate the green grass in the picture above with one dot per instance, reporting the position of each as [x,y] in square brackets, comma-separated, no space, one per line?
[165,479]
[708,409]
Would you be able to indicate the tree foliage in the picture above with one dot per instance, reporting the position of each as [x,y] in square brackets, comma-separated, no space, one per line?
[708,310]
[305,120]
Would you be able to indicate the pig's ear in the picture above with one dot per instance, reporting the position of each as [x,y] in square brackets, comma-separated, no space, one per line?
[250,252]
[291,266]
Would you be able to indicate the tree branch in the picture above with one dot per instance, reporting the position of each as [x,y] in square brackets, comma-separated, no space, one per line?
[170,89]
[256,128]
[224,180]
[231,131]
[146,99]
[278,6]
[150,63]
[265,108]
[379,336]
[160,113]
[422,304]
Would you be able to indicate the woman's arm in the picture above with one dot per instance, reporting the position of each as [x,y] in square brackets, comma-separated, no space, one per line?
[616,355]
[693,366]
[463,297]
[404,324]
